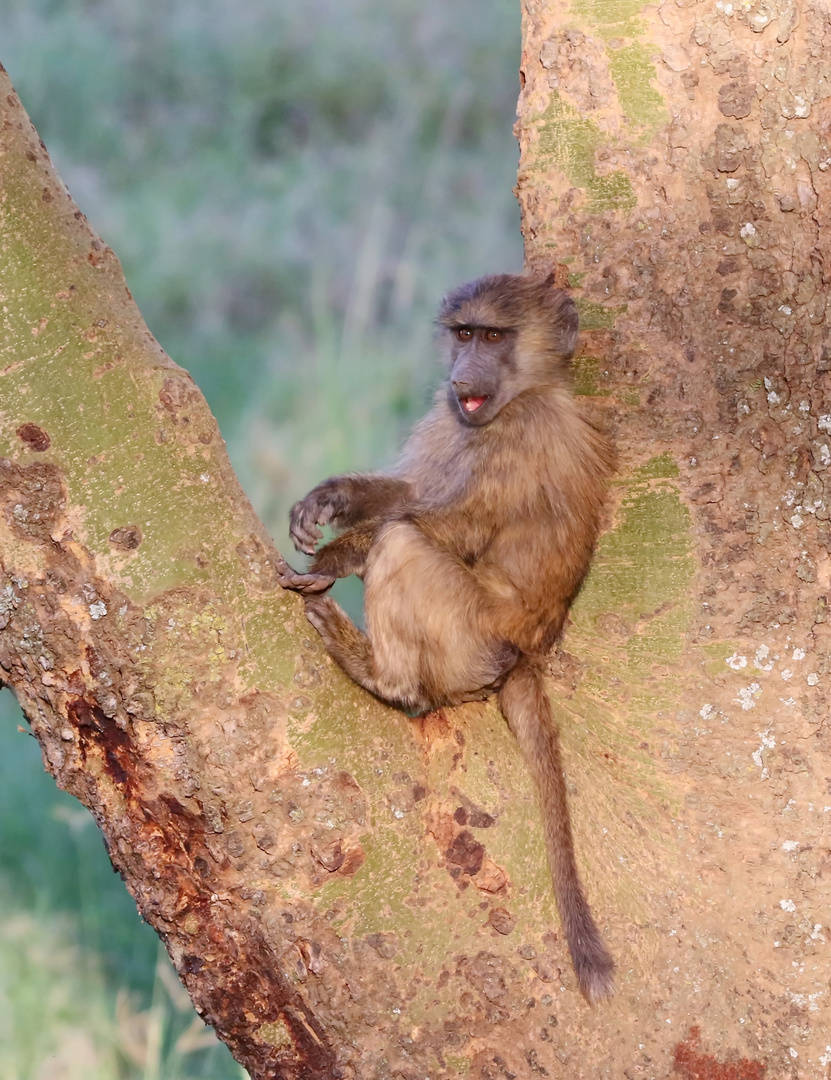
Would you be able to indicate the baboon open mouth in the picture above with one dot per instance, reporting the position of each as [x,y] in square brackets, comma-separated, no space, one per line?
[471,404]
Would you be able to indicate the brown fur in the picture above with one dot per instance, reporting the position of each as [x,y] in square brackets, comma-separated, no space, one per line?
[474,547]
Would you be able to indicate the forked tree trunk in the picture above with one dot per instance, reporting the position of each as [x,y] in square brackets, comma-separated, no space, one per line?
[346,892]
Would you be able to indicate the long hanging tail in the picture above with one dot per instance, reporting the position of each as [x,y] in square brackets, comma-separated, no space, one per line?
[526,707]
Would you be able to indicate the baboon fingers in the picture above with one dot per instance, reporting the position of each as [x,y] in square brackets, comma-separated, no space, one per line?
[303,531]
[304,519]
[302,583]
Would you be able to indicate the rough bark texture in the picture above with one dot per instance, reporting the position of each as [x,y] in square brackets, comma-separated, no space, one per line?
[676,161]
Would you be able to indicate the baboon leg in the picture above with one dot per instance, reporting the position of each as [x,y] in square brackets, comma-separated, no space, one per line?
[345,643]
[426,619]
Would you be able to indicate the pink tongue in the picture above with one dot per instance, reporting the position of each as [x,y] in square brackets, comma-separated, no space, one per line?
[471,404]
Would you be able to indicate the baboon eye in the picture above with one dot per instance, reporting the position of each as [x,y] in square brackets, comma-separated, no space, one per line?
[493,335]
[464,333]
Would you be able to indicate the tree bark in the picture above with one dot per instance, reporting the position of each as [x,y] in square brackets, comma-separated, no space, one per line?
[677,168]
[346,892]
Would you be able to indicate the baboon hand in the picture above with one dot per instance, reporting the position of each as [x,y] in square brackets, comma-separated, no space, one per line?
[318,508]
[306,584]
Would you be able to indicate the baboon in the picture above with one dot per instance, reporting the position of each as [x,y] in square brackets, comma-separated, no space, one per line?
[473,547]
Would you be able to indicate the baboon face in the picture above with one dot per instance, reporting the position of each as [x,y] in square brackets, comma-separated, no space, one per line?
[482,372]
[505,334]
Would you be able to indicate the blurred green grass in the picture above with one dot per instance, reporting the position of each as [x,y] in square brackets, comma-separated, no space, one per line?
[290,187]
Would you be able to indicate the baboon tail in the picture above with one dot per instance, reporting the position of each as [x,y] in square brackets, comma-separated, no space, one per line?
[526,707]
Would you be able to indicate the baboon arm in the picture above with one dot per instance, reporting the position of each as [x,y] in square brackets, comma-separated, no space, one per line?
[347,553]
[344,555]
[344,501]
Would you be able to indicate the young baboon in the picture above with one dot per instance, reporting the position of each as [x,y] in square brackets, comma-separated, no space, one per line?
[474,546]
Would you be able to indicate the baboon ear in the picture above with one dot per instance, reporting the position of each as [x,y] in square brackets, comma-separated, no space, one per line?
[566,322]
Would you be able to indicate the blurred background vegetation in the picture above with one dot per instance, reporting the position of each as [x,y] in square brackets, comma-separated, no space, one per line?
[290,185]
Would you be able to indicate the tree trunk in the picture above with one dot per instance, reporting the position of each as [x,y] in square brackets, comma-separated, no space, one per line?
[679,172]
[346,892]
